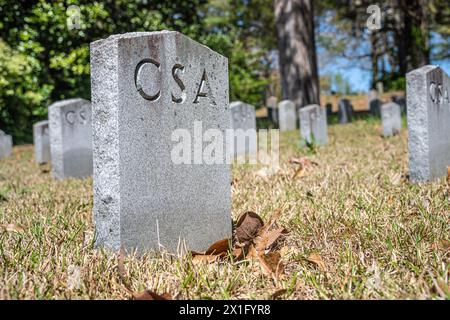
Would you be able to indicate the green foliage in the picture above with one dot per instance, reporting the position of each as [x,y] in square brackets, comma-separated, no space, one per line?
[42,60]
[22,94]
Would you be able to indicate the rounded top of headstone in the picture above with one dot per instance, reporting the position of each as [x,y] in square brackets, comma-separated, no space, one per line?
[66,102]
[41,123]
[390,104]
[237,104]
[2,133]
[286,103]
[310,106]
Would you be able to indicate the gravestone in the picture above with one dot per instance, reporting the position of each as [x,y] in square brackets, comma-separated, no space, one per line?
[70,138]
[272,109]
[244,125]
[147,87]
[345,113]
[427,94]
[374,103]
[6,145]
[41,140]
[313,125]
[391,119]
[287,115]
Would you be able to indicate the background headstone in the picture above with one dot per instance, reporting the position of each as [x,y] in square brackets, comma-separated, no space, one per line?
[41,140]
[70,138]
[374,103]
[345,113]
[272,109]
[391,119]
[243,117]
[427,94]
[6,145]
[145,85]
[313,125]
[287,115]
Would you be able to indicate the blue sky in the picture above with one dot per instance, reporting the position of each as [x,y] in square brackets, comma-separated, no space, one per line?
[357,72]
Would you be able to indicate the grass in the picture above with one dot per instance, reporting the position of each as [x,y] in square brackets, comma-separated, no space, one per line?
[376,235]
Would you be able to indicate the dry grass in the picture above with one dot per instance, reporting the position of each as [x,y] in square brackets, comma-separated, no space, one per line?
[373,233]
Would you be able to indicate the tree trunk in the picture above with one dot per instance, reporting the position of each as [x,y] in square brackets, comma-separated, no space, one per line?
[297,51]
[374,55]
[412,35]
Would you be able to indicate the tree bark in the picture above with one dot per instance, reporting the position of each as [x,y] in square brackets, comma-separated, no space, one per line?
[297,51]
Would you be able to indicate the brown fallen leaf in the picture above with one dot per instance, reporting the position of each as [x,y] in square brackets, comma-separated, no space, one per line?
[271,264]
[272,220]
[317,259]
[201,258]
[277,294]
[268,238]
[150,295]
[11,227]
[247,227]
[300,172]
[216,251]
[304,161]
[220,247]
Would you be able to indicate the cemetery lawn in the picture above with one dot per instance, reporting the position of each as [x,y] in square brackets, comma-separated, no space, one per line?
[357,230]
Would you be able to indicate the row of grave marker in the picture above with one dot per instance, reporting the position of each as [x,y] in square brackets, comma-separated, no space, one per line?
[147,84]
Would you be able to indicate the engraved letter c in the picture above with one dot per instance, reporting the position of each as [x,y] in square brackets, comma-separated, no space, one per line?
[139,78]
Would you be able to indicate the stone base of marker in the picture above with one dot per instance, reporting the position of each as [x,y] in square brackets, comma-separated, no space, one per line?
[345,112]
[243,118]
[287,115]
[41,141]
[313,125]
[70,138]
[391,119]
[147,89]
[428,103]
[6,145]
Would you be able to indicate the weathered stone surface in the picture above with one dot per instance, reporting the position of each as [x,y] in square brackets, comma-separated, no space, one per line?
[391,119]
[70,138]
[345,113]
[287,115]
[145,85]
[313,125]
[6,145]
[428,104]
[272,109]
[41,140]
[374,103]
[244,118]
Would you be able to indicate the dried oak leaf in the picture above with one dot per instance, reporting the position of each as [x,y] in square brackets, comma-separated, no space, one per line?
[317,260]
[11,227]
[300,172]
[247,227]
[216,251]
[277,294]
[265,240]
[271,263]
[150,295]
